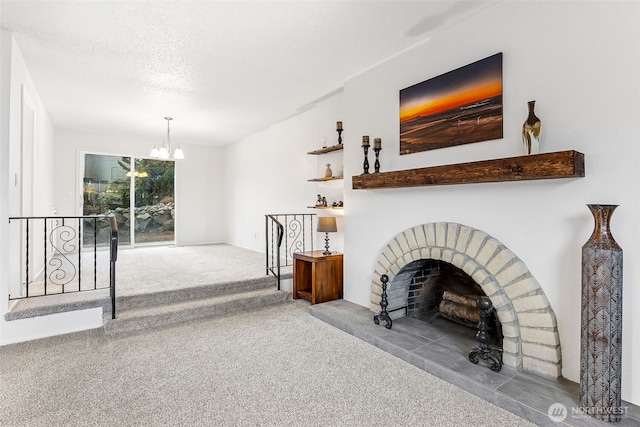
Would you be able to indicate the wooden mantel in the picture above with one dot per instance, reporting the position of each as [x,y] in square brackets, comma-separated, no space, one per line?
[560,164]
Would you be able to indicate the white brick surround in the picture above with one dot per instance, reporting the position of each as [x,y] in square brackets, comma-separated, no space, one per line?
[531,340]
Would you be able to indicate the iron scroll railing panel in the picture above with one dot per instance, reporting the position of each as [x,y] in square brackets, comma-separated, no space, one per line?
[59,255]
[285,235]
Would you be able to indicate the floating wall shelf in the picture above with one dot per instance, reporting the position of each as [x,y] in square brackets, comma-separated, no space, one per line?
[560,164]
[331,178]
[327,149]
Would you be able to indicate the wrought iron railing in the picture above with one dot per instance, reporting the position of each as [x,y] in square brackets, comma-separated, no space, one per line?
[293,231]
[59,255]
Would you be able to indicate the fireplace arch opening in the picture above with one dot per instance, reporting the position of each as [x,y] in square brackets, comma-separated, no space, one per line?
[529,327]
[439,290]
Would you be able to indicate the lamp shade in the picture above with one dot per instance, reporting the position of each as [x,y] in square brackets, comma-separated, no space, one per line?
[178,154]
[163,153]
[327,224]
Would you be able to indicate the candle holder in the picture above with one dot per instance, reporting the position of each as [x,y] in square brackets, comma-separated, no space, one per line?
[376,165]
[365,147]
[339,130]
[365,165]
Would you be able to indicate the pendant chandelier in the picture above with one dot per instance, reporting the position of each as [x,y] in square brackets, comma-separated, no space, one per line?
[166,151]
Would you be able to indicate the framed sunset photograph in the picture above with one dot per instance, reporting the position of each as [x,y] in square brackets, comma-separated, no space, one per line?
[455,108]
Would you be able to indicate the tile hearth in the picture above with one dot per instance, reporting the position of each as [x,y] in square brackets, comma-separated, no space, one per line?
[441,350]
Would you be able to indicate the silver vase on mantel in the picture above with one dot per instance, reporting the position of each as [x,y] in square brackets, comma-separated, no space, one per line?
[601,340]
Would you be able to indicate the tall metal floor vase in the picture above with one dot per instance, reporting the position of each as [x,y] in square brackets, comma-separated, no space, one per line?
[601,340]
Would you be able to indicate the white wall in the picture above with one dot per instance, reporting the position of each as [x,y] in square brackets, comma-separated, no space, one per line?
[15,82]
[581,63]
[200,192]
[200,217]
[40,169]
[5,102]
[267,173]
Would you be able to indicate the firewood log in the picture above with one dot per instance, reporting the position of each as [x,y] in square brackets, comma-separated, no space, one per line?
[459,310]
[468,300]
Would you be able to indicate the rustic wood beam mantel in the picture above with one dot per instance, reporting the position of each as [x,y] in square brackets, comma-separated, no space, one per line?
[560,164]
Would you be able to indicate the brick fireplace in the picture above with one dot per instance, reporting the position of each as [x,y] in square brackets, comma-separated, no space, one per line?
[529,327]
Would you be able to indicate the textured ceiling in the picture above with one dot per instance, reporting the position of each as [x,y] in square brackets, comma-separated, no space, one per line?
[222,69]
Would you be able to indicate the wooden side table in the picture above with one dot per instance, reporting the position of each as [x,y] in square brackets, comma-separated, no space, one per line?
[317,277]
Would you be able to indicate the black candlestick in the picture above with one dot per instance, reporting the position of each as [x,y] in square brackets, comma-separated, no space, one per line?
[339,136]
[376,165]
[366,159]
[383,305]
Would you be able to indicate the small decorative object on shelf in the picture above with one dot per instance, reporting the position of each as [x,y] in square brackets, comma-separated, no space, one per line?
[383,305]
[323,204]
[324,142]
[365,147]
[484,351]
[339,129]
[601,325]
[327,225]
[328,173]
[377,146]
[531,131]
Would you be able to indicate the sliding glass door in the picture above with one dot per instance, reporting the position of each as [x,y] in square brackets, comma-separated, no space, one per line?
[154,205]
[138,192]
[106,189]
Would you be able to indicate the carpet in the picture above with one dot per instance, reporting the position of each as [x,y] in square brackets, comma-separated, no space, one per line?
[276,366]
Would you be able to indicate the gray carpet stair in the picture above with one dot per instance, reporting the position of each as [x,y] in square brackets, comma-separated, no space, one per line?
[155,309]
[166,297]
[140,318]
[149,309]
[61,303]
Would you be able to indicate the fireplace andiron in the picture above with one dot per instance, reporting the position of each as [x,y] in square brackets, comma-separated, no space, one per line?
[383,305]
[484,351]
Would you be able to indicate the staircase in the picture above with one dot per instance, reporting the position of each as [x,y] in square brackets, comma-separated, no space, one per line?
[161,308]
[144,311]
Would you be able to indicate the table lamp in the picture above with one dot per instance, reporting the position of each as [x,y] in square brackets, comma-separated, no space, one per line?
[327,225]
